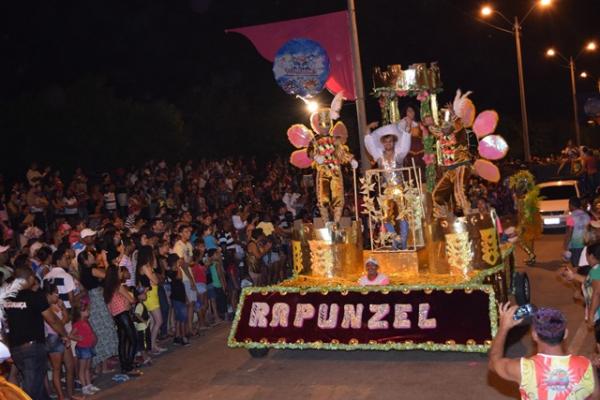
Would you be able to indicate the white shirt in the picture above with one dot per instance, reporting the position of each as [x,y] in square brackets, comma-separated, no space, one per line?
[379,280]
[64,283]
[238,224]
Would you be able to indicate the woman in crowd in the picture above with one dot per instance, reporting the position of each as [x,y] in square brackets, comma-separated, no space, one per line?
[91,275]
[119,301]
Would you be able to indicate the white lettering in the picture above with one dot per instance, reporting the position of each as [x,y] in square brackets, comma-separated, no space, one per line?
[258,315]
[304,311]
[280,315]
[381,311]
[325,322]
[401,320]
[424,322]
[352,316]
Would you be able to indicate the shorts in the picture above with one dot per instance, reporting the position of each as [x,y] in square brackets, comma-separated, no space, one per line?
[210,290]
[54,344]
[180,310]
[189,292]
[201,287]
[152,302]
[85,353]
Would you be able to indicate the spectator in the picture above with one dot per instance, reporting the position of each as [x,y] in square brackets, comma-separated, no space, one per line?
[92,276]
[59,277]
[549,329]
[119,300]
[577,223]
[86,341]
[26,314]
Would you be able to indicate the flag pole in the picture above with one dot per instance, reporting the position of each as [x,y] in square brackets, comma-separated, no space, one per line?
[359,90]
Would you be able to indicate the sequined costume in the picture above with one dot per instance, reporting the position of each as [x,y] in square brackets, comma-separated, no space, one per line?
[329,156]
[454,160]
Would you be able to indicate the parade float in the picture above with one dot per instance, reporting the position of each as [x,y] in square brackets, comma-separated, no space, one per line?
[446,264]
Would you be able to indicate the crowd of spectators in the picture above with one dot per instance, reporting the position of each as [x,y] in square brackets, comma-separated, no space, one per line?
[118,265]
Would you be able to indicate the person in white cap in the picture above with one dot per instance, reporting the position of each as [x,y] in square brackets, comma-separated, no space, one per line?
[86,238]
[373,277]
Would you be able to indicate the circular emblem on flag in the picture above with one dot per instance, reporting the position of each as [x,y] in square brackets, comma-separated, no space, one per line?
[301,67]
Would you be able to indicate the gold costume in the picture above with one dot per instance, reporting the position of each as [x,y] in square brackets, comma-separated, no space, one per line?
[329,155]
[455,160]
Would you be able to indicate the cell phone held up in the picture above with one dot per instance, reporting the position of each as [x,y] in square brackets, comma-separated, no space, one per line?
[525,312]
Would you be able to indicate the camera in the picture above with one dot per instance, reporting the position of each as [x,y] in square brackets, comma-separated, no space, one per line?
[525,312]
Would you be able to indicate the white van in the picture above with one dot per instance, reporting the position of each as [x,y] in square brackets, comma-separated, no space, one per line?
[554,202]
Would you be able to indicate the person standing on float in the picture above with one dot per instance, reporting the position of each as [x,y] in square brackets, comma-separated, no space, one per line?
[388,146]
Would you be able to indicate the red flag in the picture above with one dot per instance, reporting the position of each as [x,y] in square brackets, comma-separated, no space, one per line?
[330,30]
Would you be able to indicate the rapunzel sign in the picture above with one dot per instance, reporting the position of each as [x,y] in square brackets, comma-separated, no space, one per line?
[459,318]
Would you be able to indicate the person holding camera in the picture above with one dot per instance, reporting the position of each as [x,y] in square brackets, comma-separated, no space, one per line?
[551,373]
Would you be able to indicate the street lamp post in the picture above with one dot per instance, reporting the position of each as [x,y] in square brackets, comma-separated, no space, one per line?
[574,94]
[515,29]
[525,123]
[585,75]
[551,52]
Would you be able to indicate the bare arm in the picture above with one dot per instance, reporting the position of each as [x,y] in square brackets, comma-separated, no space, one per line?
[506,368]
[56,324]
[595,302]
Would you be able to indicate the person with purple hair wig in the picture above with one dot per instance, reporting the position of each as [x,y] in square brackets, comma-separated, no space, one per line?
[551,373]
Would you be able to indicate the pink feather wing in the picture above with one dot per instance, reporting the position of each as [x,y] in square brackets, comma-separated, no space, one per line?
[466,112]
[300,159]
[487,170]
[299,135]
[493,147]
[485,123]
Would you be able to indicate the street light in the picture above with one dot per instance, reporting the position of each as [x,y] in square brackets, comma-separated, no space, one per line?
[585,75]
[515,30]
[551,52]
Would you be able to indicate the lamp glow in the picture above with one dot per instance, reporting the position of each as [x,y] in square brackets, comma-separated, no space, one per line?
[550,52]
[545,3]
[583,74]
[486,11]
[312,106]
[591,46]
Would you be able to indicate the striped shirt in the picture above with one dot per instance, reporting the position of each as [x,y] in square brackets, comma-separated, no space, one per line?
[64,283]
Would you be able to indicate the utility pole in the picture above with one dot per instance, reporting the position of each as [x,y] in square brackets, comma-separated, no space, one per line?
[574,94]
[517,33]
[359,89]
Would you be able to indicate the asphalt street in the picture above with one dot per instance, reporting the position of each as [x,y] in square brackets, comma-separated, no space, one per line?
[208,369]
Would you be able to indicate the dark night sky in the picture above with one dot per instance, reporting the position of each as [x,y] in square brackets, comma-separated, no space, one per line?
[166,49]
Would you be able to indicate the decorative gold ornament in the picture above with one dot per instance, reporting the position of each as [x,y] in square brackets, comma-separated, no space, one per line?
[471,342]
[448,291]
[281,340]
[264,341]
[335,341]
[459,251]
[428,291]
[353,341]
[450,342]
[300,341]
[489,246]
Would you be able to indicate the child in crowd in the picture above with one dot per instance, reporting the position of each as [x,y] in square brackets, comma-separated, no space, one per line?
[209,240]
[86,341]
[141,321]
[199,273]
[232,273]
[178,298]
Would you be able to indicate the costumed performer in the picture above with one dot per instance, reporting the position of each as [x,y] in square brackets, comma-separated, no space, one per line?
[454,159]
[529,221]
[388,146]
[329,153]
